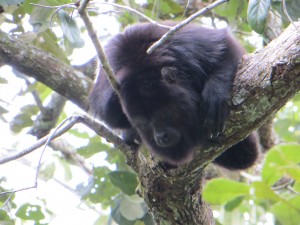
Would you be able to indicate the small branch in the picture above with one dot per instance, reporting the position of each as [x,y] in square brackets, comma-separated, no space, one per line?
[286,12]
[100,51]
[128,150]
[284,185]
[89,122]
[36,97]
[136,12]
[186,7]
[11,193]
[70,154]
[50,138]
[39,143]
[182,24]
[70,5]
[38,167]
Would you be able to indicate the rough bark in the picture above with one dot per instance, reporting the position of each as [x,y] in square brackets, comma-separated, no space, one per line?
[266,80]
[42,66]
[267,135]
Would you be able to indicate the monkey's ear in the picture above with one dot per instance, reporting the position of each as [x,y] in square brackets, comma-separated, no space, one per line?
[169,74]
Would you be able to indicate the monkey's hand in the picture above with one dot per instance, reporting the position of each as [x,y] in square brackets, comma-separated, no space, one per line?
[215,111]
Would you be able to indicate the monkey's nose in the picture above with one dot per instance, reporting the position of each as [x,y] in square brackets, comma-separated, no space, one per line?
[166,137]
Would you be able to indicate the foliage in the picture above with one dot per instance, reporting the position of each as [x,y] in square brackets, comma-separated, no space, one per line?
[111,184]
[274,190]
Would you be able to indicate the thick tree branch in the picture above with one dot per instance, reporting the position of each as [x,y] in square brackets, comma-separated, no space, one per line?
[42,66]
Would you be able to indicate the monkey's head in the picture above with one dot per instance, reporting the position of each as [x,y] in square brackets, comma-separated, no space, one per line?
[162,105]
[160,93]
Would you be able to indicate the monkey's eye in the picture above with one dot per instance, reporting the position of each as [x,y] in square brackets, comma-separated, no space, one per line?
[169,74]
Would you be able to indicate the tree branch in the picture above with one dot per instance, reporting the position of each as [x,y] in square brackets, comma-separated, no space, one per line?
[183,23]
[99,49]
[42,66]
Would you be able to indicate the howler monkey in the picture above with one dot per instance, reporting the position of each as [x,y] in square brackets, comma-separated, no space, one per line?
[176,98]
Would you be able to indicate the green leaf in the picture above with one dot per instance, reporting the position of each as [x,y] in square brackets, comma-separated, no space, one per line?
[296,98]
[40,18]
[282,129]
[264,192]
[257,14]
[49,42]
[292,7]
[98,189]
[21,121]
[297,187]
[277,160]
[70,29]
[231,205]
[220,191]
[30,212]
[132,207]
[66,168]
[169,6]
[43,90]
[30,109]
[118,217]
[291,170]
[230,9]
[92,149]
[288,212]
[125,180]
[5,218]
[47,171]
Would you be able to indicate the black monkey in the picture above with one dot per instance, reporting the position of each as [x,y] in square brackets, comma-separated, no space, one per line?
[176,98]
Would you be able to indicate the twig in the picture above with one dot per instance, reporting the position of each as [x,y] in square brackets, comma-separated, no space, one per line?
[38,144]
[12,193]
[68,151]
[100,51]
[70,5]
[182,24]
[36,98]
[283,185]
[89,122]
[186,7]
[287,13]
[136,12]
[50,138]
[128,150]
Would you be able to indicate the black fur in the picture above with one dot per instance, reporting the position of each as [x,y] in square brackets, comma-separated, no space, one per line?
[176,98]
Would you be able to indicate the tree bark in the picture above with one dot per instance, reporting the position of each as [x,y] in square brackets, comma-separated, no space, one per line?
[42,66]
[266,80]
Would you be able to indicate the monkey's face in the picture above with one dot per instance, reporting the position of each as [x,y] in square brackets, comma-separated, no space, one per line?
[162,105]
